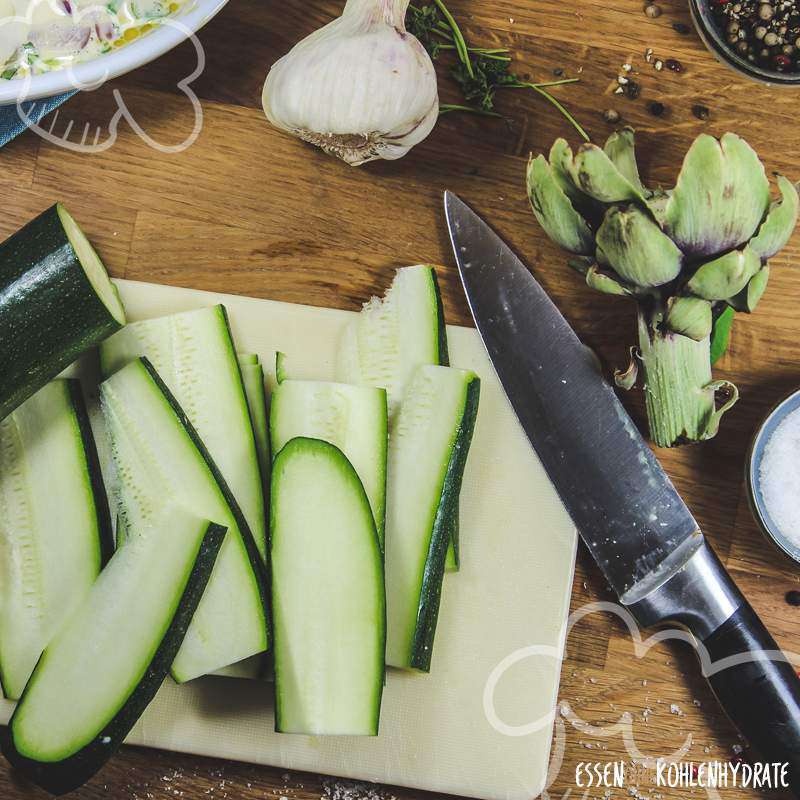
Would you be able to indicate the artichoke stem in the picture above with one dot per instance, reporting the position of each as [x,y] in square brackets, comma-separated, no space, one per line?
[677,384]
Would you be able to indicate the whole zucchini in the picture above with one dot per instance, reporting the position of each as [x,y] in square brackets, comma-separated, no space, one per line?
[56,302]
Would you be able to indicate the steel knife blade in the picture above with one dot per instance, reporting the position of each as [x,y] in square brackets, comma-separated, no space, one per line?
[626,510]
[625,507]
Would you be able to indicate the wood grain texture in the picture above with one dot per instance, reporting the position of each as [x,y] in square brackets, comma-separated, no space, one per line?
[251,211]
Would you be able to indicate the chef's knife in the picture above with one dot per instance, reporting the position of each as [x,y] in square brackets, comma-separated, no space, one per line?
[634,523]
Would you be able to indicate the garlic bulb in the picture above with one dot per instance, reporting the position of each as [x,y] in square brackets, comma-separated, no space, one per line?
[361,87]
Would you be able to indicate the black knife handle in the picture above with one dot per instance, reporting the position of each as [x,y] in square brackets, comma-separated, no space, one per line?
[761,694]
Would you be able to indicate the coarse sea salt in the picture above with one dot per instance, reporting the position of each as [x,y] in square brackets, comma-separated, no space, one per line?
[780,477]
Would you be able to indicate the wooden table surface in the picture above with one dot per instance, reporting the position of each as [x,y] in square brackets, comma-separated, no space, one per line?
[248,210]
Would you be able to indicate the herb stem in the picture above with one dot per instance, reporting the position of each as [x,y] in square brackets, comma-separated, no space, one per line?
[458,37]
[446,108]
[550,99]
[561,82]
[498,54]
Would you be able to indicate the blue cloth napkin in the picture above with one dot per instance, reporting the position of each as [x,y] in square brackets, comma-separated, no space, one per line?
[12,126]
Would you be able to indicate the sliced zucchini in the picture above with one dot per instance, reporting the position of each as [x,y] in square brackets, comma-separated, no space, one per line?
[55,527]
[56,302]
[327,594]
[194,354]
[120,531]
[250,669]
[106,663]
[353,418]
[253,377]
[255,392]
[159,458]
[280,367]
[390,338]
[427,454]
[453,561]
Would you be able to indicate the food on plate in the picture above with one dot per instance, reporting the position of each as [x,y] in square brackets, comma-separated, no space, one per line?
[361,88]
[390,338]
[685,256]
[56,302]
[428,446]
[328,602]
[352,418]
[108,660]
[38,36]
[55,527]
[159,458]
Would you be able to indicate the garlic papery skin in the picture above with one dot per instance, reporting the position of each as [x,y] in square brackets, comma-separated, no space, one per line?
[361,88]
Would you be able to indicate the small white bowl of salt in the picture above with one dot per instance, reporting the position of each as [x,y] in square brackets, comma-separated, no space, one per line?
[773,476]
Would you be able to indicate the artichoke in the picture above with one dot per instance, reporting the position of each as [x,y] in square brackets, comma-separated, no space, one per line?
[683,255]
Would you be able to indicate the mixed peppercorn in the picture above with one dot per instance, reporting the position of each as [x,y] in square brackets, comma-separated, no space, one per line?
[765,32]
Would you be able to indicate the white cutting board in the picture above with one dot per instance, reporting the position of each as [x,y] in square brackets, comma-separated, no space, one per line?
[512,592]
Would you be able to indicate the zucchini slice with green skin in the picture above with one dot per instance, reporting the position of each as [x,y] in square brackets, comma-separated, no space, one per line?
[427,453]
[56,302]
[107,662]
[256,394]
[55,527]
[160,458]
[280,367]
[352,418]
[328,597]
[194,354]
[390,338]
[253,377]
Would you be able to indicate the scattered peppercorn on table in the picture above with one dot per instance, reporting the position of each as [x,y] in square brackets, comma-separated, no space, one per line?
[246,209]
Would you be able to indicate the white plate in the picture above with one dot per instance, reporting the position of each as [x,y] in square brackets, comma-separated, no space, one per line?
[91,74]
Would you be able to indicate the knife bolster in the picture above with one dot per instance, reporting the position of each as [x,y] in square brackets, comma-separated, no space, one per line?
[698,596]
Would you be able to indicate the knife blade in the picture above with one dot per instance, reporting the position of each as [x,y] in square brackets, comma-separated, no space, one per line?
[623,504]
[640,532]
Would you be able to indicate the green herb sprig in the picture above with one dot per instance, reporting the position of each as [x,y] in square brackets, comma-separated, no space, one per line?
[479,71]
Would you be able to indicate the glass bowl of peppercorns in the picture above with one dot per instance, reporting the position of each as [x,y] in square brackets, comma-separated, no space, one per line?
[758,38]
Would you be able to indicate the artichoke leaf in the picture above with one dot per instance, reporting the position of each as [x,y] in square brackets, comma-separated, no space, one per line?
[604,283]
[580,264]
[748,298]
[721,334]
[619,147]
[560,158]
[626,379]
[712,426]
[779,225]
[598,176]
[554,211]
[689,316]
[631,243]
[725,276]
[721,196]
